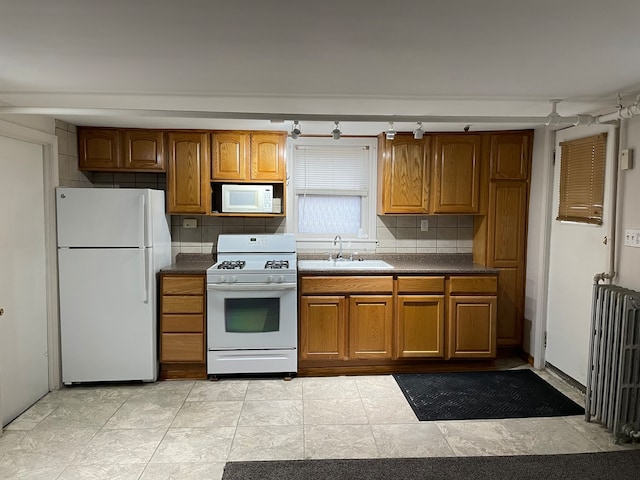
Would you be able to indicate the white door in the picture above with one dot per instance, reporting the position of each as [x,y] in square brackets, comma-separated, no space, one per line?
[23,324]
[577,252]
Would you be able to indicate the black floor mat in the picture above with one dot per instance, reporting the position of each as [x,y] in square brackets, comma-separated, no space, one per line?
[478,395]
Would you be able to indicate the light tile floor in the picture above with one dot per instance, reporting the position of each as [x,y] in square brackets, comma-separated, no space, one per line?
[189,429]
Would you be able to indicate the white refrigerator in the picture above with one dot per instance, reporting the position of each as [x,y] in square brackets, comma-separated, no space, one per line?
[111,244]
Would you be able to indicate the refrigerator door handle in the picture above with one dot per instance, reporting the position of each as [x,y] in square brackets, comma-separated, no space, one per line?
[144,266]
[141,225]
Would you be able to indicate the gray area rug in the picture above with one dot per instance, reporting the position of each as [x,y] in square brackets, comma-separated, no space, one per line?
[583,466]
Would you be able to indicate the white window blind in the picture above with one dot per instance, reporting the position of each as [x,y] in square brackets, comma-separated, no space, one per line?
[331,170]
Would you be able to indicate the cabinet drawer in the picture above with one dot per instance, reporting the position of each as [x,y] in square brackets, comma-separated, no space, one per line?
[182,347]
[183,285]
[182,323]
[182,304]
[462,285]
[420,284]
[362,284]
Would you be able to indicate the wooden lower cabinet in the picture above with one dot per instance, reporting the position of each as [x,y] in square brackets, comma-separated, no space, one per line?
[323,327]
[182,326]
[382,322]
[370,326]
[420,326]
[472,317]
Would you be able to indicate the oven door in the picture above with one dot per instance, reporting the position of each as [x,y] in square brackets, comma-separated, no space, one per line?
[252,316]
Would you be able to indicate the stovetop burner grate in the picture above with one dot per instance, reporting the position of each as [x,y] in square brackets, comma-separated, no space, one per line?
[232,265]
[276,264]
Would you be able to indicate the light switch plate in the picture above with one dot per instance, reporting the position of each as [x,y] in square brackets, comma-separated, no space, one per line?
[424,225]
[190,223]
[632,237]
[626,159]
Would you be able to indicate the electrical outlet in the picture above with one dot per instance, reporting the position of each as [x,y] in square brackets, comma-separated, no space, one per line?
[631,237]
[190,223]
[424,225]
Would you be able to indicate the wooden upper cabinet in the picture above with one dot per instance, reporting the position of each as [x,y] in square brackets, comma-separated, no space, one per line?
[143,150]
[118,150]
[248,156]
[98,149]
[403,185]
[456,173]
[510,153]
[188,175]
[229,154]
[267,156]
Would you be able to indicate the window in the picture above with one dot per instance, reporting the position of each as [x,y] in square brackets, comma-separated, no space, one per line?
[332,189]
[582,165]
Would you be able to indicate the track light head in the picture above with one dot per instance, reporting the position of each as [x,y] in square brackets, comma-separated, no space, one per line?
[336,131]
[390,133]
[295,130]
[418,133]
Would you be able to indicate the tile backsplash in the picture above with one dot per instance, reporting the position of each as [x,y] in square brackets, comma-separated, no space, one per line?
[445,234]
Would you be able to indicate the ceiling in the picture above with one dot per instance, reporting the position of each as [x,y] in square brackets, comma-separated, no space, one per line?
[224,64]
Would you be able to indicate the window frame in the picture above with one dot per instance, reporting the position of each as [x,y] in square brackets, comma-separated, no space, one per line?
[586,155]
[315,242]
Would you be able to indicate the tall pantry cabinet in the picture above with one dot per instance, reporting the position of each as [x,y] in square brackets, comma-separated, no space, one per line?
[500,236]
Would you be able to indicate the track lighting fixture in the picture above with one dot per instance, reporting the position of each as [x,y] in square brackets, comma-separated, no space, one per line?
[295,130]
[390,133]
[418,133]
[336,131]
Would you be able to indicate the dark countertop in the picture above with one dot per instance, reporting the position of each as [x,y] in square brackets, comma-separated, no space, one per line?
[412,264]
[190,263]
[406,263]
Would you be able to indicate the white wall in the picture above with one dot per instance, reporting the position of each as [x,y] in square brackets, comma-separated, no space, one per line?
[36,122]
[628,258]
[537,236]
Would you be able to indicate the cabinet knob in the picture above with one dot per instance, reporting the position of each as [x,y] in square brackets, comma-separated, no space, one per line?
[1,311]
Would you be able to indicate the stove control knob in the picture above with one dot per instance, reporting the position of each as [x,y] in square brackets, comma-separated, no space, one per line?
[219,279]
[270,279]
[280,279]
[232,279]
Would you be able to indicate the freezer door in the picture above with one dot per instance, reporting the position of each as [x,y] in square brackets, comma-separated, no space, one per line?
[103,217]
[107,315]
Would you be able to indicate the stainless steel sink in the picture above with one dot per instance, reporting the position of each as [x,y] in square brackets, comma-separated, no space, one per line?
[344,265]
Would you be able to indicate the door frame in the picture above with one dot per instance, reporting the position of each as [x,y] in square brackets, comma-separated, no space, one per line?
[548,147]
[49,145]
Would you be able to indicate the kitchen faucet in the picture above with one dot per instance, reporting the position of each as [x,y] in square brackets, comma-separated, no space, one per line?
[338,239]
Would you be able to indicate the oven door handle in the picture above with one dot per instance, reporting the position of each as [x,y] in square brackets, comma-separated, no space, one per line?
[263,287]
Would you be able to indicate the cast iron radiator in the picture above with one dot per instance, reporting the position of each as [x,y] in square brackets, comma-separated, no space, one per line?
[613,384]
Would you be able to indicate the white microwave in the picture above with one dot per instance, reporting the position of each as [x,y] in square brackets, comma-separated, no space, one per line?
[247,198]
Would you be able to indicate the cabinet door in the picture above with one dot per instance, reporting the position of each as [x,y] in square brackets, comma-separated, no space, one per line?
[507,223]
[510,154]
[99,149]
[456,174]
[510,306]
[420,326]
[405,184]
[323,327]
[230,152]
[472,327]
[187,177]
[143,150]
[370,326]
[182,347]
[267,156]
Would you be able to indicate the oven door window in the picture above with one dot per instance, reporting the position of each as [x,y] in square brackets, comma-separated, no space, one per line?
[251,315]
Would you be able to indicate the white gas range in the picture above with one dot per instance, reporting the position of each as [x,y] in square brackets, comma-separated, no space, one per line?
[252,312]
